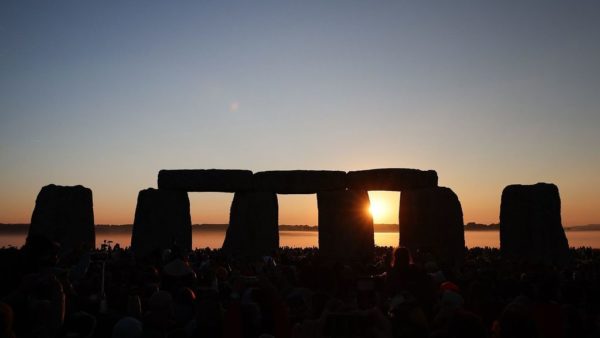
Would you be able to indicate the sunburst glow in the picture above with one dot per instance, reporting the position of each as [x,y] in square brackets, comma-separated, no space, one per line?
[377,209]
[384,206]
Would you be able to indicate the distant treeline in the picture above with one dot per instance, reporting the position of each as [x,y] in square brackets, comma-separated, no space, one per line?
[472,226]
[589,227]
[287,227]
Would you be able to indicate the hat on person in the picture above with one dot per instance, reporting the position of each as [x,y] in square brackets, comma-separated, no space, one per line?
[127,327]
[449,286]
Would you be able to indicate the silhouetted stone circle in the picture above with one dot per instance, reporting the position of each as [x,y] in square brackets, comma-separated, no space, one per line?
[430,216]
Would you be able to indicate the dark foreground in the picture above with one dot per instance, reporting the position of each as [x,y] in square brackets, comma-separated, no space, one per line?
[293,294]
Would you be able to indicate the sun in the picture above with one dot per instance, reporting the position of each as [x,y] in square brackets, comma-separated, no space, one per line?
[384,206]
[377,209]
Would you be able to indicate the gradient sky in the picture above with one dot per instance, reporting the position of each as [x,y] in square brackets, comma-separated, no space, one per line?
[488,93]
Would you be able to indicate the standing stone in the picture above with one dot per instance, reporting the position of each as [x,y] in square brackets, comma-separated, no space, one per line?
[345,224]
[530,224]
[162,219]
[253,225]
[431,219]
[65,215]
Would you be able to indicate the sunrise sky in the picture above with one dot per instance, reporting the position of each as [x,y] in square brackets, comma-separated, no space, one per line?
[487,93]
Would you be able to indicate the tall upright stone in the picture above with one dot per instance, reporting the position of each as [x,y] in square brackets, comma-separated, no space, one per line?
[253,225]
[345,224]
[65,214]
[432,220]
[162,220]
[530,224]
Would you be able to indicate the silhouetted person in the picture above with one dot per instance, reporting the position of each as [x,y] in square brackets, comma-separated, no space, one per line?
[127,327]
[404,276]
[159,319]
[6,321]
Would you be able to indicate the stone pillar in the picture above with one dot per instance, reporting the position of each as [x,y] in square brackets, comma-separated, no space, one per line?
[65,215]
[530,224]
[345,224]
[162,219]
[431,219]
[253,225]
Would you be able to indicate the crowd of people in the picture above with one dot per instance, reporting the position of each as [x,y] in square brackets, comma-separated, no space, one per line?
[295,292]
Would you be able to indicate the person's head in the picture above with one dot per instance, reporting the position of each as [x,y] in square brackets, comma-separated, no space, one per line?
[401,257]
[160,314]
[40,251]
[127,327]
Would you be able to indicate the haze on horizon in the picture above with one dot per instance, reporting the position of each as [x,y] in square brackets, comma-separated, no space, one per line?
[105,94]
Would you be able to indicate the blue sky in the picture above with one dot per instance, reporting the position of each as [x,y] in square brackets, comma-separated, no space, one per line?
[105,94]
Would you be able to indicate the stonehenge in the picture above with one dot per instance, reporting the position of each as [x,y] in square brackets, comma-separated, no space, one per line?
[162,220]
[64,214]
[430,216]
[431,219]
[530,224]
